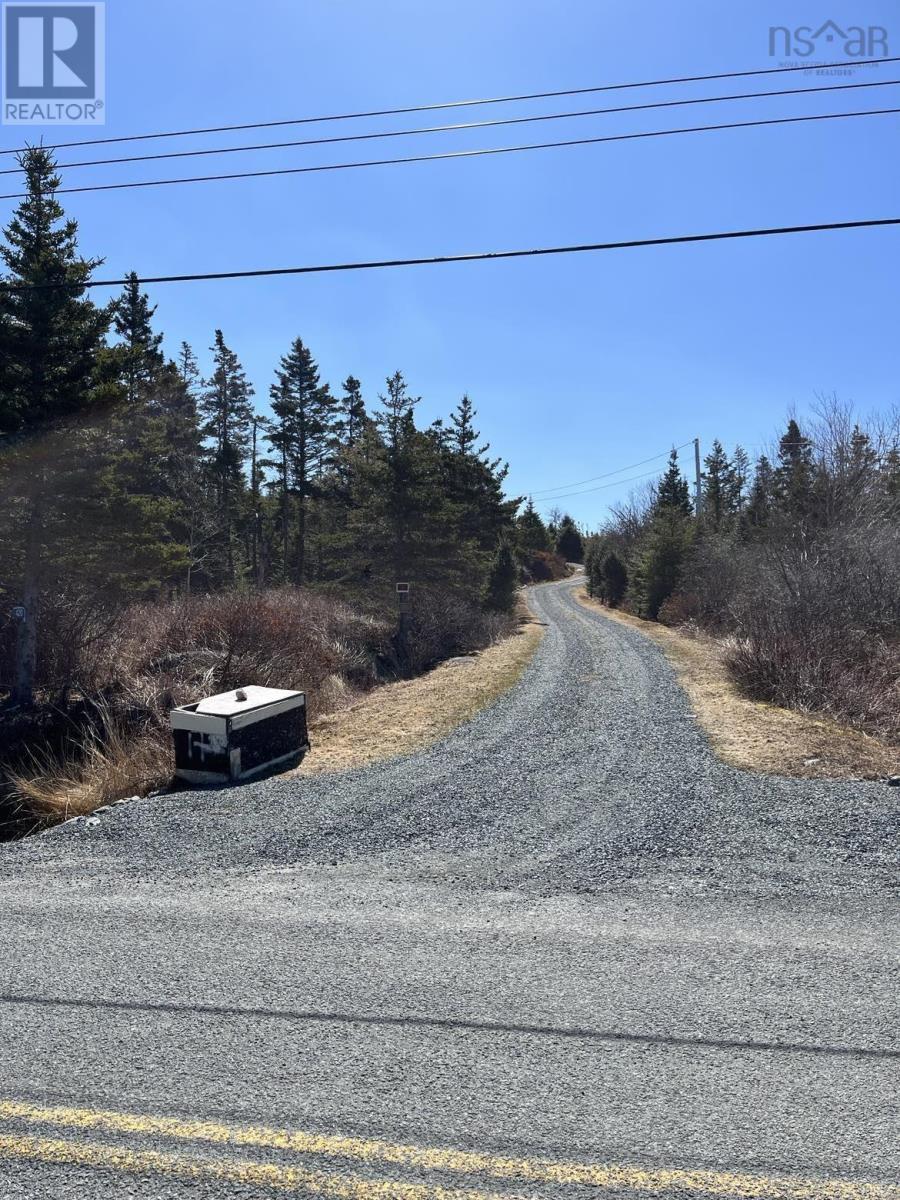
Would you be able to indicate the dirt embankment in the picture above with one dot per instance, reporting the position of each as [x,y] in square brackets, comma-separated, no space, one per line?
[755,736]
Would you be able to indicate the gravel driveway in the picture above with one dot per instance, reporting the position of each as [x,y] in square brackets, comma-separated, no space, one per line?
[590,776]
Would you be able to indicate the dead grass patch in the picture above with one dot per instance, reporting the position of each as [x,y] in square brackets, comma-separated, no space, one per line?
[754,735]
[113,766]
[403,717]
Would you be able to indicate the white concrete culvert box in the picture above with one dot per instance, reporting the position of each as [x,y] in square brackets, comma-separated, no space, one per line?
[236,735]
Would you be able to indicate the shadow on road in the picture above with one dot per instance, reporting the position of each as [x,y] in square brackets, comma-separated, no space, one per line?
[449,1023]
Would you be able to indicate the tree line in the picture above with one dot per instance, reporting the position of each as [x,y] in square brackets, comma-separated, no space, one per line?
[128,474]
[796,558]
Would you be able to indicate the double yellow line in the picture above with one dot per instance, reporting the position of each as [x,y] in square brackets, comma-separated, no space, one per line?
[659,1182]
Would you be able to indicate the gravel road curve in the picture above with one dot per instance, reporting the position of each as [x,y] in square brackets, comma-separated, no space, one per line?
[565,933]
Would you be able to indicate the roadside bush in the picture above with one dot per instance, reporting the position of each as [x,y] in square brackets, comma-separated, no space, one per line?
[542,566]
[443,626]
[821,631]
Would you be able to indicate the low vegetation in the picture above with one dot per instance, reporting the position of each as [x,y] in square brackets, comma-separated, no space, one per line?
[162,654]
[794,566]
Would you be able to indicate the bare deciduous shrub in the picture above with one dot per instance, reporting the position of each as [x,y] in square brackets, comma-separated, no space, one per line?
[443,626]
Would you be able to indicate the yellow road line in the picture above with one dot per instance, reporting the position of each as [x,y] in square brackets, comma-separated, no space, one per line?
[659,1181]
[86,1154]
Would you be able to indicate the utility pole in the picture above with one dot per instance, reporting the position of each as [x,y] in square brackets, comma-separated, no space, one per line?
[698,493]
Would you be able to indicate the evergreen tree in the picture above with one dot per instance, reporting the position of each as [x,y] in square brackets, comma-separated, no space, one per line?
[672,492]
[740,478]
[615,579]
[500,594]
[593,567]
[464,435]
[139,350]
[762,495]
[718,486]
[227,411]
[404,493]
[51,381]
[659,558]
[568,541]
[794,474]
[531,531]
[473,483]
[302,435]
[353,410]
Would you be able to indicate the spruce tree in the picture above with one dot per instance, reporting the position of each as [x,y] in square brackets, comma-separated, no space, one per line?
[302,434]
[672,492]
[718,486]
[139,350]
[503,578]
[740,478]
[758,512]
[227,411]
[615,579]
[568,541]
[464,436]
[531,531]
[353,411]
[51,382]
[473,482]
[794,474]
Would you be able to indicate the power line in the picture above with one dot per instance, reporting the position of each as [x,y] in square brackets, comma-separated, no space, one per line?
[454,154]
[593,478]
[603,487]
[416,108]
[378,264]
[460,126]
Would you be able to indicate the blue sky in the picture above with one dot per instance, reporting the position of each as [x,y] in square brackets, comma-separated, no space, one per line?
[578,365]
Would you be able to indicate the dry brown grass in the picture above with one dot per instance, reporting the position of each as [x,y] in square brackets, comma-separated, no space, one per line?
[388,721]
[111,767]
[753,735]
[402,717]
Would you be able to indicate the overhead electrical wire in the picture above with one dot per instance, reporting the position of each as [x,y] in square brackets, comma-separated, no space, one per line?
[485,256]
[461,126]
[456,154]
[416,108]
[631,467]
[602,488]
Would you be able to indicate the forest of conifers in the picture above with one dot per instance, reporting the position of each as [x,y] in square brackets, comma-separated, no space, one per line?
[130,476]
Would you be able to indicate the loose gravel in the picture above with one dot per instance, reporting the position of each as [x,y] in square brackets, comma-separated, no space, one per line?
[589,776]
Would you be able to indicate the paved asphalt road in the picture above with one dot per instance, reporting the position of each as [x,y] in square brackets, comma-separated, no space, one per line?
[563,952]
